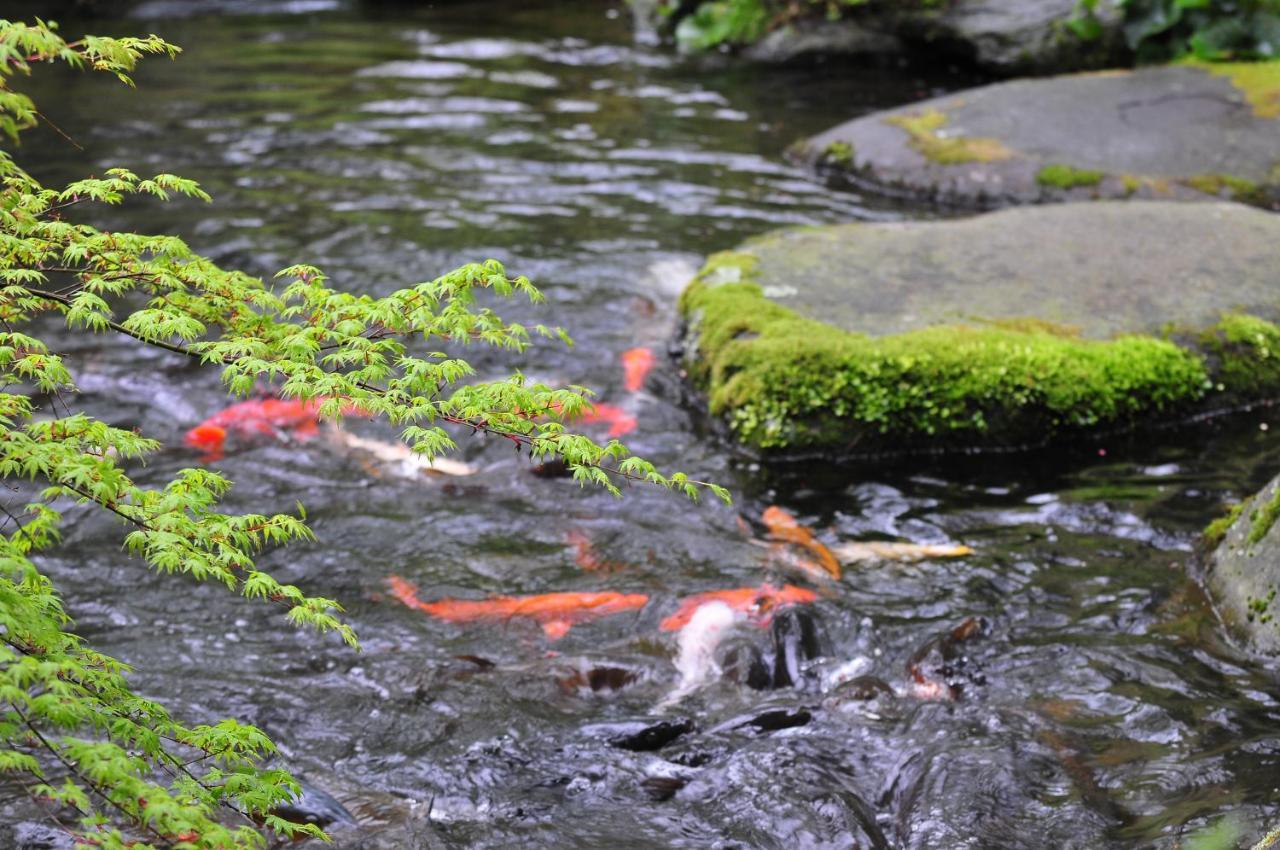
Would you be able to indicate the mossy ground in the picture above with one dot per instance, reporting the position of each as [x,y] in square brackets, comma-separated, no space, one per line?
[924,129]
[1068,177]
[1262,518]
[787,382]
[1216,530]
[1258,81]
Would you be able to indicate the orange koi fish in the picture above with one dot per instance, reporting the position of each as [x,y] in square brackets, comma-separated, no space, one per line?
[271,417]
[557,613]
[784,527]
[757,602]
[619,421]
[585,555]
[636,363]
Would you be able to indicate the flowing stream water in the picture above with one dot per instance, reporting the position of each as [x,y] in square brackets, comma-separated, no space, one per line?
[1101,707]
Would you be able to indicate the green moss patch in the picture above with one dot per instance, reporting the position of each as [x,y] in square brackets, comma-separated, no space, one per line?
[1068,177]
[787,382]
[1219,185]
[1216,530]
[925,131]
[838,153]
[1259,82]
[1262,518]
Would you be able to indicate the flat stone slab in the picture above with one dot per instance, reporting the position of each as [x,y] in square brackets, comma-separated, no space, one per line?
[1243,569]
[1172,132]
[1008,329]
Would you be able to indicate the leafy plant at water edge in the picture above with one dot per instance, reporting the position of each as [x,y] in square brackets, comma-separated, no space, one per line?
[72,732]
[1159,30]
[744,22]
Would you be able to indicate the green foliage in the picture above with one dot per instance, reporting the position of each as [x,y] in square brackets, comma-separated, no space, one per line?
[784,381]
[1159,30]
[71,729]
[737,23]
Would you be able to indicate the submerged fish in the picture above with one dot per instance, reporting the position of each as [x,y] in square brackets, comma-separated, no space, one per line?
[939,670]
[636,363]
[269,417]
[785,528]
[585,555]
[557,613]
[619,421]
[853,551]
[759,603]
[398,459]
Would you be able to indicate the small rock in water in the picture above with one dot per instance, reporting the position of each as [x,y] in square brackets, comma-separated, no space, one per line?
[314,806]
[652,737]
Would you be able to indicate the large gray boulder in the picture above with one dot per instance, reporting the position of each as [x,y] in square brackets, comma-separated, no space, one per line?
[1011,329]
[1243,569]
[1176,132]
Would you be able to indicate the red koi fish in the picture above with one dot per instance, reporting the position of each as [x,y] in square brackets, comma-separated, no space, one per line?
[756,602]
[557,613]
[271,417]
[619,421]
[636,363]
[784,527]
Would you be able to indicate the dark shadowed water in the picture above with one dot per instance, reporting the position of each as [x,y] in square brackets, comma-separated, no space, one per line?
[1100,710]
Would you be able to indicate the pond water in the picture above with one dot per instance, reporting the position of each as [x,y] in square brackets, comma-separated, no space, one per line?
[1100,707]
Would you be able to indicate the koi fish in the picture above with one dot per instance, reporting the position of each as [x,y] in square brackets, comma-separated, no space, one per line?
[636,363]
[695,657]
[852,552]
[272,417]
[759,603]
[619,421]
[937,669]
[784,527]
[585,555]
[557,613]
[399,459]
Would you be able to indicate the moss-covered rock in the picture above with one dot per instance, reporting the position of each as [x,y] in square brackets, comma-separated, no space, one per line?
[1182,132]
[1006,330]
[1004,36]
[1242,568]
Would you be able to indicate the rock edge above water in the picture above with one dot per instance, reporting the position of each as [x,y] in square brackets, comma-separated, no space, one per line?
[1004,36]
[1182,132]
[1007,330]
[1243,569]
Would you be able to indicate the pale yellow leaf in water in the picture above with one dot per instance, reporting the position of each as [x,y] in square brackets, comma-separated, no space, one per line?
[853,551]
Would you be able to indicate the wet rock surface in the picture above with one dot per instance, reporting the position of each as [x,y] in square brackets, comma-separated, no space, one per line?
[1243,569]
[1177,132]
[1104,269]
